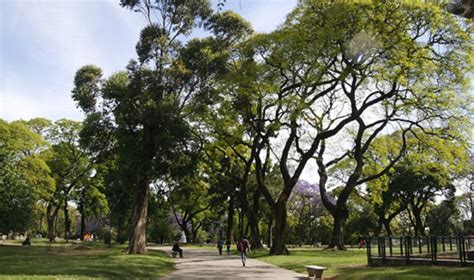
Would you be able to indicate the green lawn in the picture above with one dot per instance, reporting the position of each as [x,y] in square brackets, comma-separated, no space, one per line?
[79,262]
[352,264]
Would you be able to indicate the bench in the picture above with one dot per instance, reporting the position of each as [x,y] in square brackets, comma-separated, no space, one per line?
[174,254]
[316,271]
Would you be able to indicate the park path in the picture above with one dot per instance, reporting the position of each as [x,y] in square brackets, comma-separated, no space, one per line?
[205,264]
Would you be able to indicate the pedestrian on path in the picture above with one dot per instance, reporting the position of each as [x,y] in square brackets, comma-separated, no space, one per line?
[177,249]
[220,244]
[227,244]
[243,248]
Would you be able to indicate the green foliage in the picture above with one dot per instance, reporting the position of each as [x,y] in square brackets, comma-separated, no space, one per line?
[444,219]
[16,195]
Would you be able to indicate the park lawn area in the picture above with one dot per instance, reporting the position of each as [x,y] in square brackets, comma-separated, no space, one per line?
[80,262]
[352,264]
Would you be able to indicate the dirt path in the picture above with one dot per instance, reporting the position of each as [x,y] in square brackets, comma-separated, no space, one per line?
[205,264]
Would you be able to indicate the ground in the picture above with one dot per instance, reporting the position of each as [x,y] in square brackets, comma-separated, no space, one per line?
[93,260]
[352,264]
[203,263]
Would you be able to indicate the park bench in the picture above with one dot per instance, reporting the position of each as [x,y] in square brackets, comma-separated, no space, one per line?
[316,271]
[174,254]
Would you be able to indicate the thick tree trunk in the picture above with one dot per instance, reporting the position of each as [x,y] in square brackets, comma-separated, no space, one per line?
[241,224]
[51,219]
[137,241]
[378,229]
[67,222]
[256,238]
[51,228]
[386,224]
[337,239]
[419,227]
[184,227]
[281,230]
[270,232]
[230,222]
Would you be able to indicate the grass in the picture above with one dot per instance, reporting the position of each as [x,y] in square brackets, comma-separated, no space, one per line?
[85,261]
[352,264]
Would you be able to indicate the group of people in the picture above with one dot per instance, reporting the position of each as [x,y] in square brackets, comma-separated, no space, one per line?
[242,246]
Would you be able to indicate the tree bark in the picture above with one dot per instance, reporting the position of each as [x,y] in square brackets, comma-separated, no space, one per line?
[83,221]
[256,238]
[51,219]
[230,221]
[67,222]
[270,232]
[337,239]
[419,227]
[281,230]
[137,241]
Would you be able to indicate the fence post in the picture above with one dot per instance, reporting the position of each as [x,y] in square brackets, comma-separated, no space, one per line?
[390,245]
[407,249]
[442,240]
[369,250]
[401,246]
[384,255]
[419,244]
[428,244]
[379,246]
[434,249]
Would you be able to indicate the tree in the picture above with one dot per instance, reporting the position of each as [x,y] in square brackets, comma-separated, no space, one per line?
[24,141]
[70,166]
[18,200]
[444,219]
[336,73]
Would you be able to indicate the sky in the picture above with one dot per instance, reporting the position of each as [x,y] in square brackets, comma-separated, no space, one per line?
[44,42]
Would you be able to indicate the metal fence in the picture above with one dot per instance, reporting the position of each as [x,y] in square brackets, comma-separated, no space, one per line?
[408,250]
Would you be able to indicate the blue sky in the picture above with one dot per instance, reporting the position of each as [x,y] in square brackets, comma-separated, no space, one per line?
[44,42]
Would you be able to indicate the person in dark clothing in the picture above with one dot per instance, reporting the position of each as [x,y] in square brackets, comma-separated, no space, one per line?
[243,247]
[227,244]
[27,242]
[177,249]
[220,244]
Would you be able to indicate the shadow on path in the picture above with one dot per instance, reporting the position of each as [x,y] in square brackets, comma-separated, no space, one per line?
[205,264]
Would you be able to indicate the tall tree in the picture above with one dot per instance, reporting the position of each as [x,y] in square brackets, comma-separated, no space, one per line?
[145,111]
[336,76]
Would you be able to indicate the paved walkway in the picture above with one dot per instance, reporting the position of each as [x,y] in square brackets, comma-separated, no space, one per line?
[205,264]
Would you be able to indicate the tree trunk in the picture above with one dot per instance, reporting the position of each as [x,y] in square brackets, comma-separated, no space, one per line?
[230,222]
[137,241]
[184,227]
[67,222]
[241,224]
[51,219]
[337,239]
[378,229]
[39,228]
[419,228]
[386,224]
[256,238]
[281,230]
[270,232]
[83,222]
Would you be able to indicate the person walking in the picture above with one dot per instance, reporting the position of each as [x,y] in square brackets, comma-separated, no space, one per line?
[243,248]
[227,244]
[177,249]
[220,244]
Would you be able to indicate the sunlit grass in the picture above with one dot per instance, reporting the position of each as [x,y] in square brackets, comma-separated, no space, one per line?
[83,261]
[352,264]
